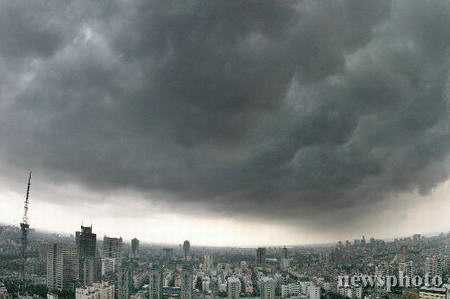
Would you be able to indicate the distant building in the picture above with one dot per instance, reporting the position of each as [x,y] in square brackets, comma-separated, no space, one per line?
[125,285]
[108,266]
[112,247]
[267,288]
[260,256]
[135,247]
[168,254]
[284,253]
[86,243]
[207,263]
[187,280]
[97,291]
[92,270]
[187,250]
[62,266]
[155,287]
[233,288]
[314,292]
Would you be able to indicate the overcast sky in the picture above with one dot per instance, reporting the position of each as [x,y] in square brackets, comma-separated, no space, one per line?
[235,122]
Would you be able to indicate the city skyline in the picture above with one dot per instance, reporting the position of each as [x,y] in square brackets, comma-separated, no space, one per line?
[231,123]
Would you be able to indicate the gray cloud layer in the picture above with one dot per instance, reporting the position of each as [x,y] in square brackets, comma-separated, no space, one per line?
[274,109]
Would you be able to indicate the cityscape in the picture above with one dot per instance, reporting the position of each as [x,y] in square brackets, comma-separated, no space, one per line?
[84,266]
[224,149]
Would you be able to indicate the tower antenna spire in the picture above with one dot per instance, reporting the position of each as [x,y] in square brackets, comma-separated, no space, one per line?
[24,226]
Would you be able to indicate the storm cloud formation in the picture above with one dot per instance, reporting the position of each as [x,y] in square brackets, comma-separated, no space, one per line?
[263,109]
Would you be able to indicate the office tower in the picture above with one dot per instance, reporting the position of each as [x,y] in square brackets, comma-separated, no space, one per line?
[108,265]
[101,290]
[186,249]
[207,262]
[92,270]
[62,266]
[314,292]
[260,256]
[155,282]
[233,288]
[187,280]
[135,247]
[125,280]
[86,243]
[405,270]
[112,247]
[267,288]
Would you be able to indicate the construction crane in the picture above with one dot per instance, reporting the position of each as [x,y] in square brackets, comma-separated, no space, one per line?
[24,227]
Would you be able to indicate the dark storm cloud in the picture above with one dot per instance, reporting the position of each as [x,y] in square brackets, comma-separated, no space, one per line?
[279,109]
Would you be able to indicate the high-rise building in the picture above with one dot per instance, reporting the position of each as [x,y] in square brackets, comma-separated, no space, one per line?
[108,265]
[92,270]
[434,265]
[233,288]
[186,250]
[112,247]
[135,247]
[207,262]
[86,243]
[62,266]
[155,286]
[260,256]
[101,290]
[267,288]
[125,280]
[284,253]
[406,270]
[187,280]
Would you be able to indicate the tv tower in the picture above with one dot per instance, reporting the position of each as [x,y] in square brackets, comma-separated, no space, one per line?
[24,227]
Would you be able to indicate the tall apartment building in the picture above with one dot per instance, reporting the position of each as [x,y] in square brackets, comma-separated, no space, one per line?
[125,285]
[267,290]
[233,288]
[62,266]
[155,282]
[187,280]
[112,247]
[135,247]
[92,270]
[260,256]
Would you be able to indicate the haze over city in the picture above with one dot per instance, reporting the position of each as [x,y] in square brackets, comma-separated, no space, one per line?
[227,123]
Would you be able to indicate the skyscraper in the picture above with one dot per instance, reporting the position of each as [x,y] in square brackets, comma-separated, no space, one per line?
[112,247]
[260,256]
[187,280]
[125,280]
[62,266]
[86,243]
[186,249]
[267,288]
[92,270]
[233,288]
[135,247]
[155,282]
